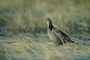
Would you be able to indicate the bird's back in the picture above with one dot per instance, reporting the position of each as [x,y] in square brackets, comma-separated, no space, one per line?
[58,36]
[63,36]
[54,37]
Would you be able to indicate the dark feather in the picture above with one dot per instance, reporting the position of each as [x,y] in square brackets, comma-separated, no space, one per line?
[65,37]
[56,35]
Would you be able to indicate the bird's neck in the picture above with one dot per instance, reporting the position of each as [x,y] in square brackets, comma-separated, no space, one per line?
[51,26]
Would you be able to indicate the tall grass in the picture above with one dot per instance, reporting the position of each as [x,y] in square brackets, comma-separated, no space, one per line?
[71,16]
[21,47]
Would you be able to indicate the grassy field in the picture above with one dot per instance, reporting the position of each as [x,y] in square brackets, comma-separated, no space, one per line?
[23,29]
[22,47]
[72,16]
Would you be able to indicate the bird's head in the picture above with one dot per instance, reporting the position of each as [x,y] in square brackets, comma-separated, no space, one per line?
[48,21]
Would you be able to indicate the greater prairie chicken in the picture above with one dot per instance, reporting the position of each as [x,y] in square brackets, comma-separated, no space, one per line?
[57,36]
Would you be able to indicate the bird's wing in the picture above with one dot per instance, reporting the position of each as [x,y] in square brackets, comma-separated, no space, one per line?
[62,35]
[58,34]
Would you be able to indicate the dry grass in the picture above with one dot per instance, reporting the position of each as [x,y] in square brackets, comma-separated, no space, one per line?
[21,47]
[70,16]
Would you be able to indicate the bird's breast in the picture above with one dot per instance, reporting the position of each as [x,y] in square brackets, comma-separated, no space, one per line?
[52,35]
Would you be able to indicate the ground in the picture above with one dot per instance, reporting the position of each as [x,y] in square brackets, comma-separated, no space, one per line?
[23,29]
[23,47]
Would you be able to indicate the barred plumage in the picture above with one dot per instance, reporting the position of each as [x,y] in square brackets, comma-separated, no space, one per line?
[57,36]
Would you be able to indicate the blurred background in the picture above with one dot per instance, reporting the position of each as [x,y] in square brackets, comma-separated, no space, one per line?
[23,29]
[71,16]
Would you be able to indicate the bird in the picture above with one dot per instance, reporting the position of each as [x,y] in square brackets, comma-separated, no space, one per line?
[56,35]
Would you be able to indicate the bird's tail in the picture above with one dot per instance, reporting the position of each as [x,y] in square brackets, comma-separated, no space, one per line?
[71,41]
